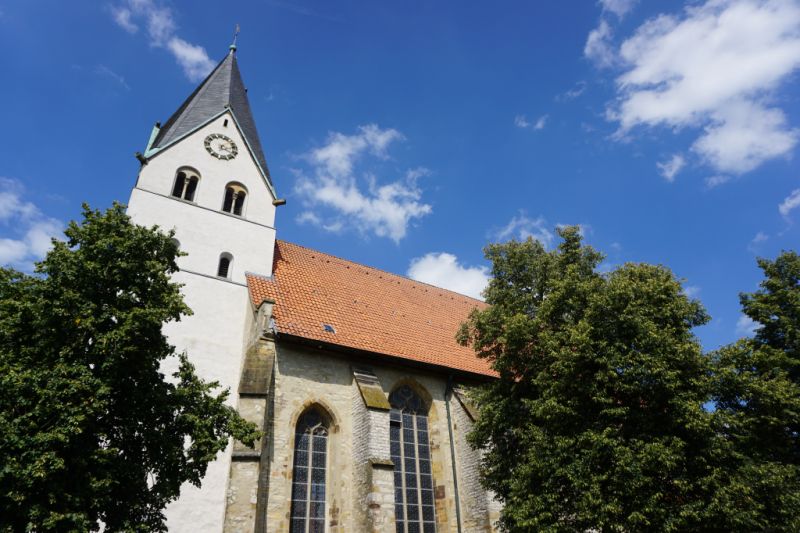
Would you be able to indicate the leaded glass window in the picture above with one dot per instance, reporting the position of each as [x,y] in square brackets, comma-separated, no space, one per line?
[410,447]
[308,474]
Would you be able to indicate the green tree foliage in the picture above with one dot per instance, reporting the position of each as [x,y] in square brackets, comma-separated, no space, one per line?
[597,420]
[757,393]
[90,428]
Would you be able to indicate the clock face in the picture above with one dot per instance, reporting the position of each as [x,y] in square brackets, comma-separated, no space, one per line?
[221,146]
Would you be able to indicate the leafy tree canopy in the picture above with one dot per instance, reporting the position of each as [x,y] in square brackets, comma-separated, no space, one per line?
[597,421]
[757,394]
[91,429]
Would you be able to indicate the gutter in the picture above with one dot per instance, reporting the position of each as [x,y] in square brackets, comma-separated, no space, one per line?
[448,394]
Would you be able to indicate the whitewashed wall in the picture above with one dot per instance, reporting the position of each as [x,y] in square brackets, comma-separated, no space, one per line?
[214,335]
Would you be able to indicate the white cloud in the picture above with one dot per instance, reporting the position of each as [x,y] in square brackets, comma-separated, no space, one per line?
[521,121]
[28,231]
[619,7]
[573,93]
[746,326]
[102,70]
[342,151]
[670,168]
[160,23]
[385,210]
[743,135]
[716,181]
[599,48]
[521,227]
[443,270]
[756,241]
[691,291]
[790,203]
[717,67]
[124,18]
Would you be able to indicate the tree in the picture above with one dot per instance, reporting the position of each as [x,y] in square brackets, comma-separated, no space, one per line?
[757,394]
[91,430]
[596,422]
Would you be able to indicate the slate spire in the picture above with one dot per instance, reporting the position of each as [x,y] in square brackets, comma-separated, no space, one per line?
[222,89]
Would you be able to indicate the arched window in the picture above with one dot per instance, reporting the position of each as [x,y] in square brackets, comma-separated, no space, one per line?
[185,185]
[235,196]
[224,268]
[308,473]
[410,449]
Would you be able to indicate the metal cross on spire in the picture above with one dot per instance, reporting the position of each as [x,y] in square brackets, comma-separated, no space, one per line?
[235,36]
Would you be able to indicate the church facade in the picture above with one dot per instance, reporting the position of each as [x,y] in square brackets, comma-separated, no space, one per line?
[353,373]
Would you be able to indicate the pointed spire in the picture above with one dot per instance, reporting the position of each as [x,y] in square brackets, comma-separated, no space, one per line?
[221,91]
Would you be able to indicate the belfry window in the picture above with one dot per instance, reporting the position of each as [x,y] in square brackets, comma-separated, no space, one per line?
[410,451]
[224,267]
[308,473]
[235,196]
[185,185]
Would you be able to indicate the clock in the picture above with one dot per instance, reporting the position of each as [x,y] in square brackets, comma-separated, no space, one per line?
[221,146]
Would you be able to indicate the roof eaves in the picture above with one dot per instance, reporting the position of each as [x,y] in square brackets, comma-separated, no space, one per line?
[342,348]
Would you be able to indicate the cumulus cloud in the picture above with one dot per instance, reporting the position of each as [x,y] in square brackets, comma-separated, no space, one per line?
[28,232]
[444,270]
[599,47]
[160,25]
[746,326]
[790,203]
[618,7]
[343,199]
[717,67]
[670,168]
[521,227]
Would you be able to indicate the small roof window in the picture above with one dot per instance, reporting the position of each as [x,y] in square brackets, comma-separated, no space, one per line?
[327,328]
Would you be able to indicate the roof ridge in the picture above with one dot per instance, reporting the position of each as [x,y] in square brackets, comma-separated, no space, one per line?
[406,278]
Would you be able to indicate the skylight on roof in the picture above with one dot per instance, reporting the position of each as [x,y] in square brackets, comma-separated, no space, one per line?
[327,328]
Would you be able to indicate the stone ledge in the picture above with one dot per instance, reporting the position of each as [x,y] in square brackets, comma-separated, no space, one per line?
[381,463]
[246,455]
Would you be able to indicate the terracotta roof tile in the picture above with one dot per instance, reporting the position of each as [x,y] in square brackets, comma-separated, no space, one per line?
[369,309]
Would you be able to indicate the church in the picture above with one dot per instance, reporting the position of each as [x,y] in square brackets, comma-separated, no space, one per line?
[352,373]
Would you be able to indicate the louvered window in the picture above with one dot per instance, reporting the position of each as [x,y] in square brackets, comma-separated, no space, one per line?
[308,474]
[233,201]
[410,449]
[185,185]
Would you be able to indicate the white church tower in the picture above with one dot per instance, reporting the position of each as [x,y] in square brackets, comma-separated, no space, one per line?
[204,175]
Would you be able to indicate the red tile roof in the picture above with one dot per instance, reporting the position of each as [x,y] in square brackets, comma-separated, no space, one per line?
[369,309]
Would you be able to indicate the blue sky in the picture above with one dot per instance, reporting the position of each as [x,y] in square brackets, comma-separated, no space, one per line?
[407,135]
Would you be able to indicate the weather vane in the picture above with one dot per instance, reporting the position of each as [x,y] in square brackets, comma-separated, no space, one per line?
[235,35]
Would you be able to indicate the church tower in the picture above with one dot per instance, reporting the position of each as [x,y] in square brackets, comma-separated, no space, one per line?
[204,175]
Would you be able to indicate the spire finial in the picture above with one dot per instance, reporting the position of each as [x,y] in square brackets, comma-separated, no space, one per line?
[235,35]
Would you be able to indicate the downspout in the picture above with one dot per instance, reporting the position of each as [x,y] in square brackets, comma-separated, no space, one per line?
[448,393]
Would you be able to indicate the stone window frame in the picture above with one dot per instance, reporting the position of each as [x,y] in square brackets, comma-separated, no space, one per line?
[332,467]
[238,200]
[442,504]
[188,188]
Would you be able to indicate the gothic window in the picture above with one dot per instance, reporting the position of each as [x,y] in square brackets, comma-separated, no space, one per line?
[185,185]
[224,268]
[308,473]
[410,449]
[234,199]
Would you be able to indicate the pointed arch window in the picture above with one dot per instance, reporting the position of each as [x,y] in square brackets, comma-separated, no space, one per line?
[233,202]
[410,451]
[309,473]
[224,266]
[185,185]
